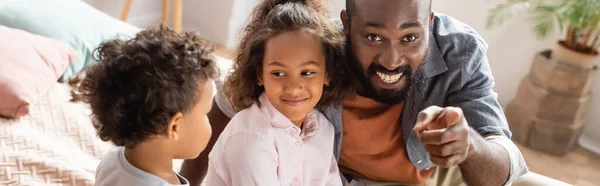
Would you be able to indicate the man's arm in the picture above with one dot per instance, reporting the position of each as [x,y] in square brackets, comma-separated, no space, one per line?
[489,166]
[496,161]
[195,169]
[472,132]
[450,141]
[497,155]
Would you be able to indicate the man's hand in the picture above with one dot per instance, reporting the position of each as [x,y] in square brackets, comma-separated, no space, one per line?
[445,134]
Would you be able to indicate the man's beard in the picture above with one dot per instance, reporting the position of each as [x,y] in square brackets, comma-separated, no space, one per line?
[387,96]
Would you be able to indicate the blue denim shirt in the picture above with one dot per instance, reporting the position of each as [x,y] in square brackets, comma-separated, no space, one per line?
[455,73]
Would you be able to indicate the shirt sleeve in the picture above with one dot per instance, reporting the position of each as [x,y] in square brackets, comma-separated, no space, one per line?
[517,163]
[333,178]
[249,159]
[477,98]
[481,109]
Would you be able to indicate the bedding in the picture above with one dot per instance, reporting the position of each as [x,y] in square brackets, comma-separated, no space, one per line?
[72,21]
[29,64]
[55,144]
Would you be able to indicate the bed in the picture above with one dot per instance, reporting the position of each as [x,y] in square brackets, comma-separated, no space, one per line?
[55,144]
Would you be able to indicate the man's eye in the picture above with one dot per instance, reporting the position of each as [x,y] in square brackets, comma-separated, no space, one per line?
[308,73]
[374,38]
[278,74]
[409,38]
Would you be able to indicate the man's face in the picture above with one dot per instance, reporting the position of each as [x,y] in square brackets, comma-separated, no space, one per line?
[388,42]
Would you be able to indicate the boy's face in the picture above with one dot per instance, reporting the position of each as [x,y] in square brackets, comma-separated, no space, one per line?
[294,73]
[195,130]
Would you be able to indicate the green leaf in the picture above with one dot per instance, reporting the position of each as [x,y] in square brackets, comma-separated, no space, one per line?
[580,17]
[505,11]
[543,19]
[559,13]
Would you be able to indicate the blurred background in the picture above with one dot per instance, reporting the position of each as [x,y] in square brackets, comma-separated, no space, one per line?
[552,104]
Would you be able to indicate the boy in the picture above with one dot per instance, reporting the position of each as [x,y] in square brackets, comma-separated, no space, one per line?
[150,96]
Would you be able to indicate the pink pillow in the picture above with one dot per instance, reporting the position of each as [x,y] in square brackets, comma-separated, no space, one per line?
[29,66]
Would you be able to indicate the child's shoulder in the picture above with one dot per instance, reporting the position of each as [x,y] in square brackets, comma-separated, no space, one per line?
[322,121]
[111,158]
[251,115]
[109,168]
[250,119]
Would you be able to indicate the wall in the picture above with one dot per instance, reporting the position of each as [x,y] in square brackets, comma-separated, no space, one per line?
[209,17]
[143,13]
[590,139]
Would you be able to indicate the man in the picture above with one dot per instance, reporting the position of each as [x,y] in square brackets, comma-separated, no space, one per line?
[425,112]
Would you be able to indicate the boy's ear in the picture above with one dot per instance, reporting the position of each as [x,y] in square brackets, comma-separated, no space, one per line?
[174,126]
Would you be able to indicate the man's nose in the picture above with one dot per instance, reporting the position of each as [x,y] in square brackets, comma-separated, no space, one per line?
[391,57]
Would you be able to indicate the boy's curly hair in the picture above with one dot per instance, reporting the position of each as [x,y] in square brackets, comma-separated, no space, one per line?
[272,17]
[139,84]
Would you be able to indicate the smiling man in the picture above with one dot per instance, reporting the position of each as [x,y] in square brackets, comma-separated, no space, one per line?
[426,94]
[425,111]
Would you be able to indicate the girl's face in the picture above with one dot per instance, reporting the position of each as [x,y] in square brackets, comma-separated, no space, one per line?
[294,73]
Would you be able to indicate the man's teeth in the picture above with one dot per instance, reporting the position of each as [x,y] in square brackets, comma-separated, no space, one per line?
[389,78]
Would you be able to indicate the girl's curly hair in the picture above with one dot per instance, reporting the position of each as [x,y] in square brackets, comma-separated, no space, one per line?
[270,18]
[139,84]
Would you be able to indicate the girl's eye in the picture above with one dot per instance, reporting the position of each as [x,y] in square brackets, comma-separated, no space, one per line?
[409,38]
[374,38]
[278,74]
[308,73]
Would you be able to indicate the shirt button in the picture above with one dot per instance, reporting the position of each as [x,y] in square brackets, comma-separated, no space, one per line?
[296,180]
[419,161]
[298,144]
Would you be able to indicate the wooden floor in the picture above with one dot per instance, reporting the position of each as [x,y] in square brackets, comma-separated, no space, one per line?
[580,167]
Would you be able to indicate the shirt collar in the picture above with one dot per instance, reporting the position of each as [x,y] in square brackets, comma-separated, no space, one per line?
[434,63]
[278,120]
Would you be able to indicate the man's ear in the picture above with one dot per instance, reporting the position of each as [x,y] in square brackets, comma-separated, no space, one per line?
[174,126]
[431,16]
[345,21]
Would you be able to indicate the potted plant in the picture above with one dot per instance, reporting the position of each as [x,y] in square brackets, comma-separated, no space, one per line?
[578,20]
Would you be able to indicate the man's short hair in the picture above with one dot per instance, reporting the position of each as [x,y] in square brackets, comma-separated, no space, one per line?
[351,6]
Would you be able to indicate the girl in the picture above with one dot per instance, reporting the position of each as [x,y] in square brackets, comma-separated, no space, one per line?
[288,63]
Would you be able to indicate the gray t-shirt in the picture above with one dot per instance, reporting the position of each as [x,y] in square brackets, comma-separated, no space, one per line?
[115,170]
